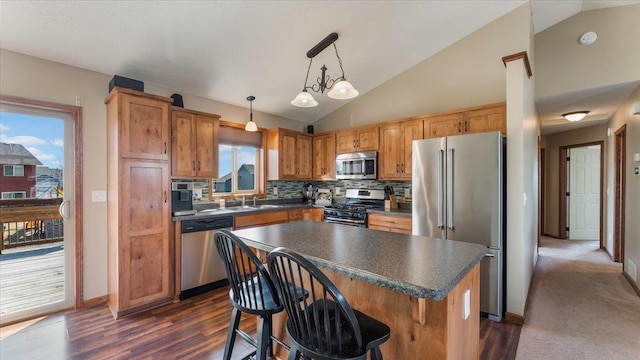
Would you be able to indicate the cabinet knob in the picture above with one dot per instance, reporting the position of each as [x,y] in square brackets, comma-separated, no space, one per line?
[193,165]
[198,165]
[165,147]
[397,168]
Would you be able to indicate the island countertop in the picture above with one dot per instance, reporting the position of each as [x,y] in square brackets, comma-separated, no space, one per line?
[419,266]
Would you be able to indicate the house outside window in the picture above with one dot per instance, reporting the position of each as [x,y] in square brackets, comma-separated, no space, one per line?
[240,162]
[13,195]
[237,169]
[13,170]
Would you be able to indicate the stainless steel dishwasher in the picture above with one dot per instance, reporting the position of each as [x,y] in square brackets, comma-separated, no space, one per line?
[202,269]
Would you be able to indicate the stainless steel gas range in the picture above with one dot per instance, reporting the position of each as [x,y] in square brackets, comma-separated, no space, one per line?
[353,211]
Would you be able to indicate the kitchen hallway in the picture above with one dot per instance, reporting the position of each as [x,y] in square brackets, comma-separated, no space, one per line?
[580,306]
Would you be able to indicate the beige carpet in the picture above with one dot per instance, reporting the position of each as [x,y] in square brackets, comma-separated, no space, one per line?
[580,306]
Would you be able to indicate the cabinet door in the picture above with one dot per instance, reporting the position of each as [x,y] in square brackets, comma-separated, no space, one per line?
[390,151]
[318,214]
[411,130]
[287,155]
[443,125]
[368,139]
[144,235]
[330,161]
[207,147]
[183,146]
[144,130]
[303,152]
[483,120]
[319,156]
[346,141]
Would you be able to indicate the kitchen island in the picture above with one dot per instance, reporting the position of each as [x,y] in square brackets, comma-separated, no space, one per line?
[425,289]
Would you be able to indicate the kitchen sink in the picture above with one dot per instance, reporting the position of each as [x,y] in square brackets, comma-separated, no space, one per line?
[240,208]
[267,206]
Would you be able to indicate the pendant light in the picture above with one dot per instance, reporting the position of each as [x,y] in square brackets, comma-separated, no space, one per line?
[251,125]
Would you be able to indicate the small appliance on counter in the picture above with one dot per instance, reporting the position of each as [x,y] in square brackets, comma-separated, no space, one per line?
[182,199]
[307,193]
[323,197]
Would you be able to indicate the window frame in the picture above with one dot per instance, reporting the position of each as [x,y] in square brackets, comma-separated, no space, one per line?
[13,167]
[260,170]
[2,195]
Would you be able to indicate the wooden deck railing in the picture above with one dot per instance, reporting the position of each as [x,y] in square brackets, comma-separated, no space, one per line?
[29,222]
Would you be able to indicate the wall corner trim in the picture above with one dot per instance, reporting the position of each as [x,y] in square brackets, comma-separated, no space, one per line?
[521,55]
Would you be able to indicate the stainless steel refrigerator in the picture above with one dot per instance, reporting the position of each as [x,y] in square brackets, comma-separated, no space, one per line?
[458,195]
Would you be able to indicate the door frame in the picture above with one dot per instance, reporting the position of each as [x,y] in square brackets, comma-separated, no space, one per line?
[76,114]
[542,176]
[619,188]
[562,186]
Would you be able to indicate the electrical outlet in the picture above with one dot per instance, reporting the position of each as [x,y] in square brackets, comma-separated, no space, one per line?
[77,100]
[467,304]
[275,191]
[407,193]
[338,191]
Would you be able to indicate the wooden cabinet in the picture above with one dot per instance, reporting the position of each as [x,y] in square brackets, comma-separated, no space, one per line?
[140,251]
[324,157]
[468,121]
[357,139]
[194,144]
[316,214]
[266,218]
[295,215]
[395,148]
[488,119]
[289,155]
[390,223]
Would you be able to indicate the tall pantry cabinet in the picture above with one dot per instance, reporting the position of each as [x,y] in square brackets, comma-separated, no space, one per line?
[138,211]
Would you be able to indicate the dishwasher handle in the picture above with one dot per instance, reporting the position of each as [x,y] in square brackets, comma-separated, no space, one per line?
[191,226]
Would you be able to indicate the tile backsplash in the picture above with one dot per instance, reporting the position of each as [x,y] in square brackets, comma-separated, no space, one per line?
[293,189]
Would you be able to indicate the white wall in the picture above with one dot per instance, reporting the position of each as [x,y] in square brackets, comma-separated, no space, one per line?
[632,192]
[38,79]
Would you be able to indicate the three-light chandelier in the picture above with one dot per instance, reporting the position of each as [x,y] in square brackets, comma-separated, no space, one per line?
[339,88]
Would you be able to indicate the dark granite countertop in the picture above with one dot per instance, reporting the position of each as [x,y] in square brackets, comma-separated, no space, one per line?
[234,211]
[414,265]
[400,212]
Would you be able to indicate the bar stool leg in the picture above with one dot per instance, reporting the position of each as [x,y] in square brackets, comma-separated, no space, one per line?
[376,354]
[231,335]
[264,337]
[293,354]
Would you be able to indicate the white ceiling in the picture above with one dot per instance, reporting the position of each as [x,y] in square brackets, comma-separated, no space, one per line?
[227,50]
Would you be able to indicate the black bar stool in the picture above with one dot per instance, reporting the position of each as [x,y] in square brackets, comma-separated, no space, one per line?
[252,291]
[322,326]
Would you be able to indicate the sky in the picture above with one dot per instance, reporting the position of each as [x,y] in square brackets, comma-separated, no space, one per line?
[246,155]
[43,137]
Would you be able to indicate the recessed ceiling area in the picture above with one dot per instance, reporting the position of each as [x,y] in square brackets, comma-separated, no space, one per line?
[227,50]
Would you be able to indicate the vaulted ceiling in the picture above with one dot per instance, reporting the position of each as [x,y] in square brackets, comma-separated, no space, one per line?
[227,50]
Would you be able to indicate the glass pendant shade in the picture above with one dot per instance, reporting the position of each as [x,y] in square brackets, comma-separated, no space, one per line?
[576,115]
[304,99]
[251,126]
[343,90]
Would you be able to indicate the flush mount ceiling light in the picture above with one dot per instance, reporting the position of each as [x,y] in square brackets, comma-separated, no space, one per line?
[251,125]
[339,88]
[575,115]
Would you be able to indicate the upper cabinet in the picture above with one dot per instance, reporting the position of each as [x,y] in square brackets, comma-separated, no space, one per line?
[144,127]
[357,139]
[194,144]
[474,120]
[289,154]
[324,156]
[395,148]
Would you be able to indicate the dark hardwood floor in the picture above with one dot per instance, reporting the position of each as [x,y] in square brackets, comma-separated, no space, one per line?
[195,328]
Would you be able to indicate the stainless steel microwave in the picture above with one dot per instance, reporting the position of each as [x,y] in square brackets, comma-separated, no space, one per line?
[360,165]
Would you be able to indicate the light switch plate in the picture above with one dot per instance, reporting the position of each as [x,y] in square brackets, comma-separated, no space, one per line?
[99,196]
[275,191]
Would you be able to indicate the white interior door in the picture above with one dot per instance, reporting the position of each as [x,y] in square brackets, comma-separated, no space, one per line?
[584,193]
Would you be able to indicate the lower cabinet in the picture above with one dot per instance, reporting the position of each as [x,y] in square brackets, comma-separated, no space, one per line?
[396,224]
[266,218]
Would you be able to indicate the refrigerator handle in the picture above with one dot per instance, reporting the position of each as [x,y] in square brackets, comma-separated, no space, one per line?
[441,189]
[450,218]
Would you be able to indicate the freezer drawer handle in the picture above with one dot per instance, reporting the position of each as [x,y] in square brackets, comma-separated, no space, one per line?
[490,255]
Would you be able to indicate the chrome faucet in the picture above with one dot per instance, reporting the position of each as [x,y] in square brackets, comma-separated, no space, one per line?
[254,201]
[243,196]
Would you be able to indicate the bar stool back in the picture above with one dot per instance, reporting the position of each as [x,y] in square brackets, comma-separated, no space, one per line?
[252,291]
[322,326]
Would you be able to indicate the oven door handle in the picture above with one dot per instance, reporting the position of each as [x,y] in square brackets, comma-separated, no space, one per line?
[338,220]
